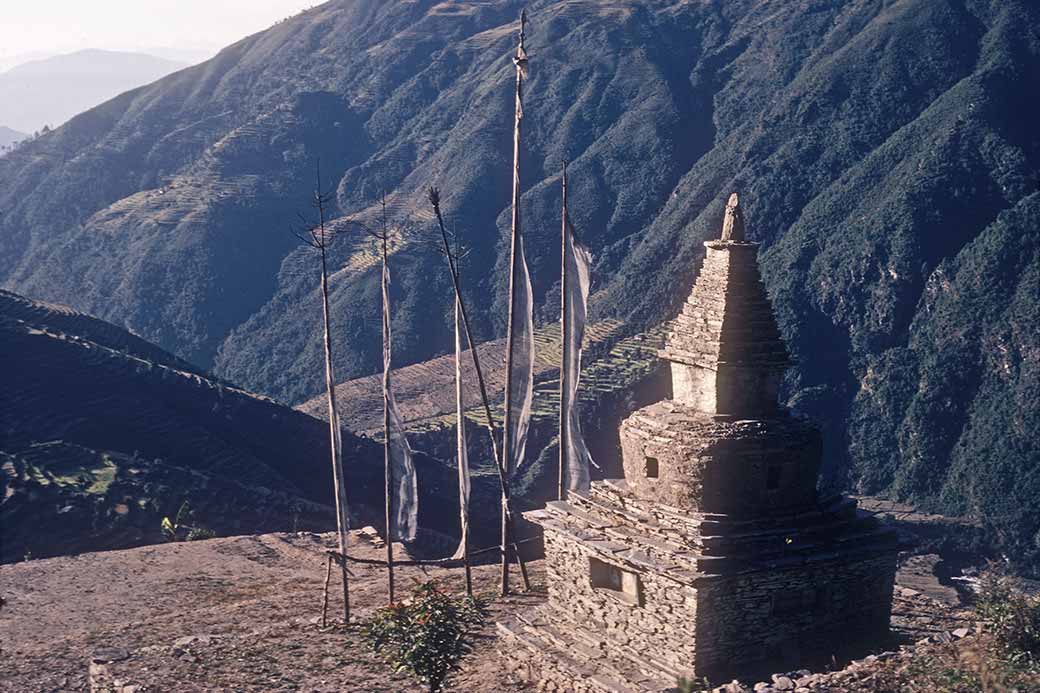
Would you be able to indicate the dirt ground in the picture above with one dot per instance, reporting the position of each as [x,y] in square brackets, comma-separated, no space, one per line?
[230,614]
[242,613]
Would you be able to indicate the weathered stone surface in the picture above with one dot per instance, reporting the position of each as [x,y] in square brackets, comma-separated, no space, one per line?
[703,463]
[726,353]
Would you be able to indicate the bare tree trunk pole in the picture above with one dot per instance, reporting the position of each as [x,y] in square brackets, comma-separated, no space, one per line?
[342,518]
[387,470]
[565,343]
[489,417]
[514,238]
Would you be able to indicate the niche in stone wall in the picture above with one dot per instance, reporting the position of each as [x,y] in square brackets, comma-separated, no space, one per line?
[615,581]
[652,467]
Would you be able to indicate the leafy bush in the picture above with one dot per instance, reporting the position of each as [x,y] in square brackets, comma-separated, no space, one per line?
[1013,617]
[426,635]
[181,529]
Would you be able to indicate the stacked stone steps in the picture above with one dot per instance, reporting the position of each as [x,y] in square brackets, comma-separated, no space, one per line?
[613,540]
[715,296]
[710,313]
[731,353]
[760,328]
[599,667]
[633,549]
[733,544]
[728,318]
[706,338]
[757,335]
[617,545]
[614,493]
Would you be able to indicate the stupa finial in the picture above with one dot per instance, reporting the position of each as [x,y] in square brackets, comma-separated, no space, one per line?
[733,222]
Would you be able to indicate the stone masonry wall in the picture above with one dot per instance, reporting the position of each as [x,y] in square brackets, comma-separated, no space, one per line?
[749,392]
[659,628]
[694,386]
[546,673]
[727,338]
[708,465]
[785,613]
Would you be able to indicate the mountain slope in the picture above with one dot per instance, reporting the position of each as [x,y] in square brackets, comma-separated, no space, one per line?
[101,434]
[52,90]
[885,152]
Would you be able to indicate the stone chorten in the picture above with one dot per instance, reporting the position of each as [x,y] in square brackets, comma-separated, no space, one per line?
[715,553]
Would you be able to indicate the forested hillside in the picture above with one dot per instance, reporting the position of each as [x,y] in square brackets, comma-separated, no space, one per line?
[886,153]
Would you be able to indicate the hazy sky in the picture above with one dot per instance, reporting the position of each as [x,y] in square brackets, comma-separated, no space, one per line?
[196,28]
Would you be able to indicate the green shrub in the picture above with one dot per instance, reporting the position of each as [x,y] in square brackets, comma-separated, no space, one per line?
[1012,616]
[181,527]
[426,635]
[200,533]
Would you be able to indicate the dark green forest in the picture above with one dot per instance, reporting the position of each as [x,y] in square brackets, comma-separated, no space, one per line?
[887,155]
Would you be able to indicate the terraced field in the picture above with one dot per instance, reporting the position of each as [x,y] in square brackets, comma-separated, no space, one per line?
[425,391]
[619,374]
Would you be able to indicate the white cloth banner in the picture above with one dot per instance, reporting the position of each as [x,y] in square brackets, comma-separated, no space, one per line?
[523,361]
[460,442]
[341,491]
[576,265]
[406,489]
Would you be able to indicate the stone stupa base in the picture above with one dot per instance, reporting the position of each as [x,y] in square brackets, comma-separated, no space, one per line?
[641,594]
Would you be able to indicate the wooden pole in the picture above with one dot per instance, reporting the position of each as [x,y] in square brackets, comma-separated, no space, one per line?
[565,343]
[388,475]
[466,564]
[514,239]
[489,417]
[325,593]
[342,518]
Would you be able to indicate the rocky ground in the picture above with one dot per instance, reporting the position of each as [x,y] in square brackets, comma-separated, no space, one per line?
[230,614]
[241,614]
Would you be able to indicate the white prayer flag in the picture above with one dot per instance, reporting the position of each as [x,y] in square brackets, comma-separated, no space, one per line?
[460,441]
[523,361]
[576,265]
[406,491]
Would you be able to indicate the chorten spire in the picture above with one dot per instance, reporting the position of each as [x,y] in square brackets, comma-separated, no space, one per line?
[727,356]
[733,222]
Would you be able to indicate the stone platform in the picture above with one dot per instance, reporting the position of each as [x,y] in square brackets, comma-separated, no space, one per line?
[680,592]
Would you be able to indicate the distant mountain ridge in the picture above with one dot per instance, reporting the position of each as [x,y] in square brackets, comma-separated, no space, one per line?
[9,136]
[885,152]
[49,91]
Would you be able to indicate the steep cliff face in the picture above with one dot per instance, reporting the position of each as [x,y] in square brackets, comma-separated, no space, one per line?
[885,153]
